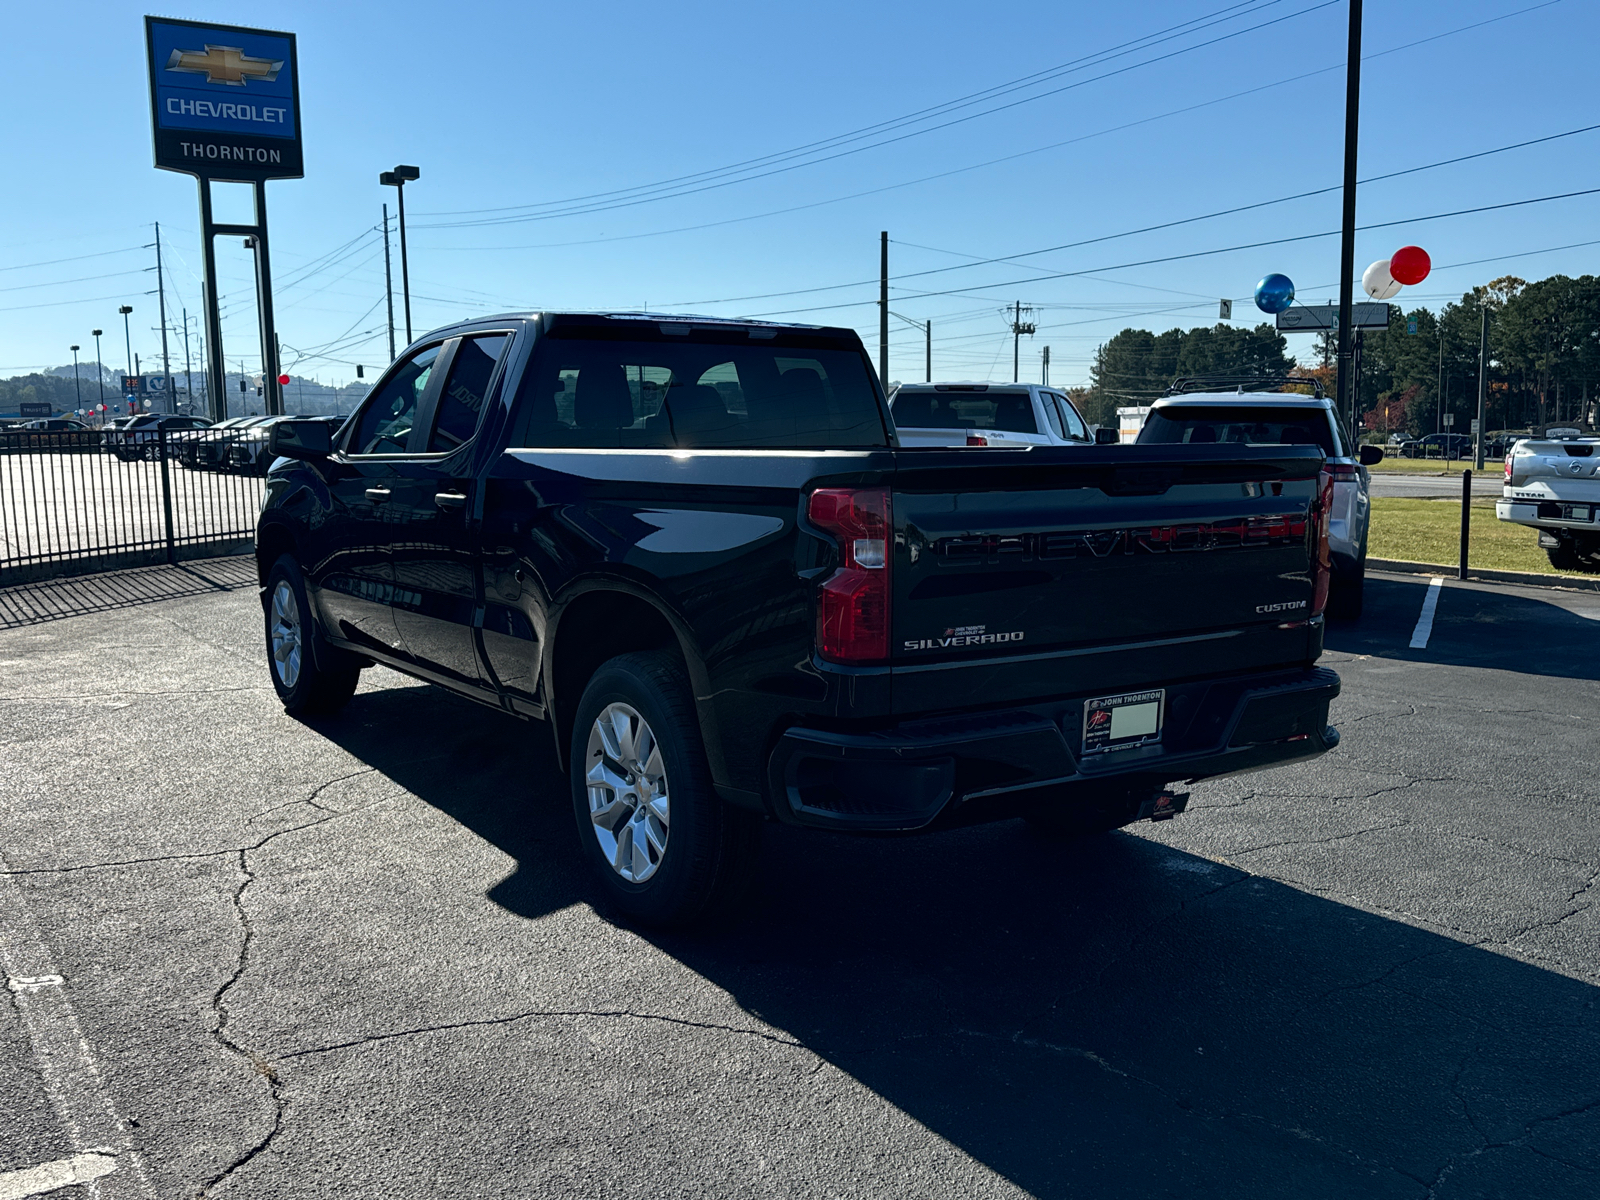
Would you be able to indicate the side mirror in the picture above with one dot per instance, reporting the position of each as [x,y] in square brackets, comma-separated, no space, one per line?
[1370,456]
[300,439]
[1107,437]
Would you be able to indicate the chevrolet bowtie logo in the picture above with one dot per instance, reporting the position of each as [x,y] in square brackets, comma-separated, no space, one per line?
[225,64]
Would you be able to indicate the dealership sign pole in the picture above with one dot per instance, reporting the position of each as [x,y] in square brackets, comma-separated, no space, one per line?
[225,105]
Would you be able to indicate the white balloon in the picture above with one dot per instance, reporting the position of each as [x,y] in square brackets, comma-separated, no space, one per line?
[1377,281]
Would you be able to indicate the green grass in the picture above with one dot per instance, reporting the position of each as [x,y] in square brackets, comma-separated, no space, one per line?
[1435,466]
[1429,531]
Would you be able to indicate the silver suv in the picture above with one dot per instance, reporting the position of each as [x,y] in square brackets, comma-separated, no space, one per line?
[1250,416]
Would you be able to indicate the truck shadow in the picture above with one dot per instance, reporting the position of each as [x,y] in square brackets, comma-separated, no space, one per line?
[1475,627]
[1109,1018]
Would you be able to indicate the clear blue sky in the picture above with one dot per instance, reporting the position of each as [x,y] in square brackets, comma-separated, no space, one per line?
[510,104]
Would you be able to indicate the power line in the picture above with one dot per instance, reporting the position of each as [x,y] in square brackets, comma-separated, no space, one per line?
[1301,77]
[1225,212]
[588,208]
[868,130]
[1205,253]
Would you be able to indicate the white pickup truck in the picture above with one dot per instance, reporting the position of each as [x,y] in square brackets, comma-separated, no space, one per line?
[1553,485]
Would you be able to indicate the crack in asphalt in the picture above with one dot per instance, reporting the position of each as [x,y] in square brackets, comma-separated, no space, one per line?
[535,1013]
[1181,1102]
[312,798]
[222,1032]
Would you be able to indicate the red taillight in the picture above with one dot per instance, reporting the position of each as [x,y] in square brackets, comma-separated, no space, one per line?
[1342,472]
[853,603]
[1508,466]
[974,440]
[1322,564]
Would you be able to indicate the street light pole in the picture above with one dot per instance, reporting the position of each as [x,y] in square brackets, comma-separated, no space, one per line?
[77,387]
[127,338]
[397,179]
[100,370]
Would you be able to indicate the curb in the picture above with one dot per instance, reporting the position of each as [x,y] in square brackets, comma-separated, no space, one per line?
[1474,574]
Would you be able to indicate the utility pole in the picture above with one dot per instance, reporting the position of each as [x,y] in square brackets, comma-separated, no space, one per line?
[1018,328]
[1438,409]
[188,374]
[77,388]
[161,301]
[883,308]
[1045,374]
[1347,240]
[388,280]
[929,332]
[1483,382]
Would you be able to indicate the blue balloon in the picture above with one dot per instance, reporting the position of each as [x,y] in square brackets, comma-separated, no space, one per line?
[1274,293]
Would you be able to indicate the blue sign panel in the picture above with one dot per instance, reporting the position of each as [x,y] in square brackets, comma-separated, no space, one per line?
[225,100]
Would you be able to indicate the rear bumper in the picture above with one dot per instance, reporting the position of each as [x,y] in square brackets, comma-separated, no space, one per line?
[984,766]
[1550,514]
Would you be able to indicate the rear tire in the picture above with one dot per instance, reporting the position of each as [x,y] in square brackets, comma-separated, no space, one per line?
[1347,594]
[1564,557]
[664,847]
[304,687]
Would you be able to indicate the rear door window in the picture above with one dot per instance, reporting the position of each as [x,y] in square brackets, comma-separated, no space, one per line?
[462,399]
[1238,424]
[696,394]
[1076,429]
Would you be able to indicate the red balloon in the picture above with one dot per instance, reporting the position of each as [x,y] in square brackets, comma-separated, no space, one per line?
[284,379]
[1410,264]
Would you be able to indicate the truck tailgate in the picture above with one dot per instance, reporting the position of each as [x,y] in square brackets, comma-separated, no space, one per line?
[1034,573]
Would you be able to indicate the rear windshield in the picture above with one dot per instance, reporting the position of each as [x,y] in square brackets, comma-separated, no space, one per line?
[698,394]
[1008,412]
[1253,424]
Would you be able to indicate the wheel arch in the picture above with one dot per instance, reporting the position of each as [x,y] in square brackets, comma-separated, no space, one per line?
[596,623]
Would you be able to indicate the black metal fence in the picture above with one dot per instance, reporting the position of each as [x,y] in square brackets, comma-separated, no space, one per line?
[92,500]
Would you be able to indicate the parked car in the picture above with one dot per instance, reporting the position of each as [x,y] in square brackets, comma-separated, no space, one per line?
[141,436]
[209,451]
[249,451]
[1265,418]
[52,433]
[1447,446]
[1553,485]
[730,596]
[986,414]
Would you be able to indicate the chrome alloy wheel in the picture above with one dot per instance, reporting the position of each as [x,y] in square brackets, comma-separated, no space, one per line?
[288,639]
[627,782]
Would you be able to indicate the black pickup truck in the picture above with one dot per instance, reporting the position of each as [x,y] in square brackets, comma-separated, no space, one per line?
[694,548]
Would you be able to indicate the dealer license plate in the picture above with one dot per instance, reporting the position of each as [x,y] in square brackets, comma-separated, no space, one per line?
[1118,722]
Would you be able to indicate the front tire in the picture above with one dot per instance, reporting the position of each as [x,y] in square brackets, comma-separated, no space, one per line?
[304,687]
[663,845]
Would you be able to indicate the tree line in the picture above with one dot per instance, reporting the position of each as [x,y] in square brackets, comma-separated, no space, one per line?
[1544,360]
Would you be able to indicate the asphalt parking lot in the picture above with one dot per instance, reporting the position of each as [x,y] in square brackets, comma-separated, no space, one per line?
[250,956]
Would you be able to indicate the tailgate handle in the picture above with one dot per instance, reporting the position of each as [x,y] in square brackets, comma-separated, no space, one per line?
[1140,481]
[377,494]
[449,499]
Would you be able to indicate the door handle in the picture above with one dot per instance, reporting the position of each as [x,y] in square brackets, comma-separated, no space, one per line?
[449,499]
[377,494]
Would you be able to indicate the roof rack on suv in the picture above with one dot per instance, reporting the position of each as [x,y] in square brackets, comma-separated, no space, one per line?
[1251,383]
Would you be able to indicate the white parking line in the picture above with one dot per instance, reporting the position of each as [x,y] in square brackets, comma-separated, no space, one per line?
[1430,602]
[66,1066]
[64,1172]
